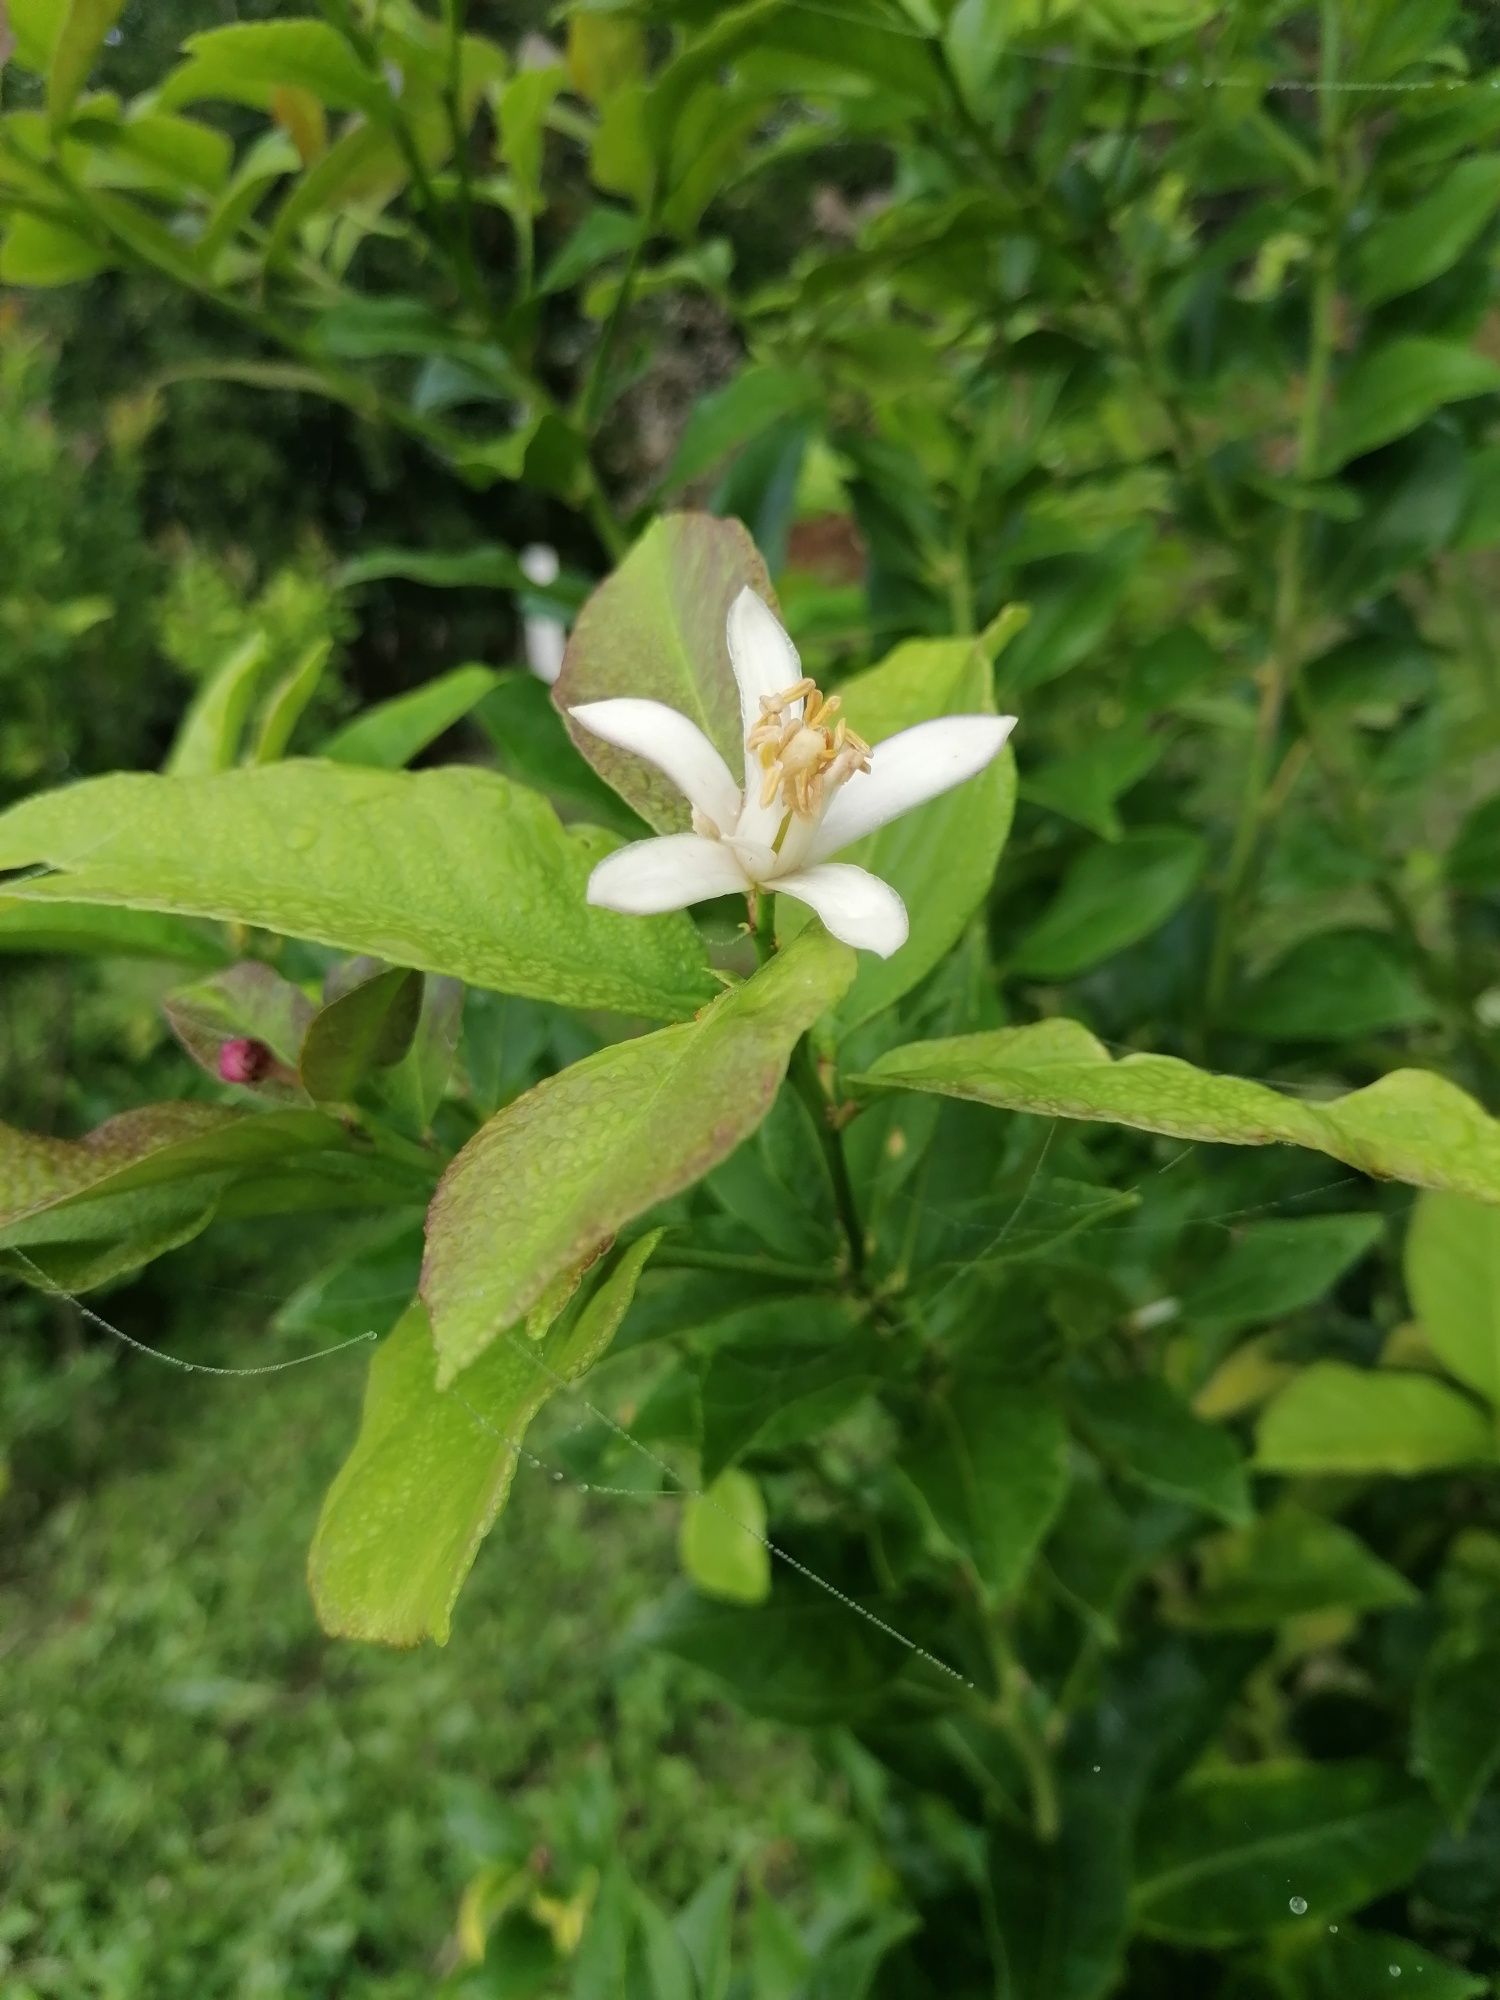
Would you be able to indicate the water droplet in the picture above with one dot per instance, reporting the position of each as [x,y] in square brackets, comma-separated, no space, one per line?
[1097,1769]
[300,836]
[1394,1971]
[1298,1906]
[1333,1929]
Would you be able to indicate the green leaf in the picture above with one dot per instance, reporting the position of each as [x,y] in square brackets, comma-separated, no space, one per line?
[1085,785]
[391,733]
[1287,1564]
[178,153]
[1110,898]
[941,858]
[1389,390]
[723,1540]
[1473,860]
[209,737]
[148,1148]
[37,251]
[79,40]
[1073,602]
[767,1391]
[523,106]
[490,566]
[990,1469]
[248,61]
[247,999]
[1335,986]
[1343,1963]
[532,745]
[452,871]
[751,403]
[1453,1275]
[287,702]
[368,1026]
[35,25]
[550,1180]
[1264,1848]
[1414,246]
[430,1470]
[655,629]
[1274,1268]
[1456,1722]
[79,927]
[801,1657]
[1334,1418]
[1409,1126]
[1143,1428]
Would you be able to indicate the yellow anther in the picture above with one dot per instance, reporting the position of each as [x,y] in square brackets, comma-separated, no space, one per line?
[804,756]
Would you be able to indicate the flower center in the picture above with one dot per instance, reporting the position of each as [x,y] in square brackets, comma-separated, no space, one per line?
[805,758]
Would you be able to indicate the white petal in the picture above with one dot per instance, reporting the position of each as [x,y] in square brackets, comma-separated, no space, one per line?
[907,770]
[763,658]
[677,747]
[854,904]
[667,873]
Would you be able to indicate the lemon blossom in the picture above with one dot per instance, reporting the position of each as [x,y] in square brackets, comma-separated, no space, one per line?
[810,788]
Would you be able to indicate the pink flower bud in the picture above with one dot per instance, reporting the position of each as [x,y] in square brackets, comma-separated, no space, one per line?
[242,1059]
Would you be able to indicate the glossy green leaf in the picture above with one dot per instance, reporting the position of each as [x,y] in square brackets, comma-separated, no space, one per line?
[655,629]
[1335,1418]
[941,858]
[1342,1962]
[450,871]
[1141,1427]
[391,733]
[1453,1277]
[368,1026]
[431,1469]
[1410,1125]
[1112,897]
[989,1468]
[722,1540]
[549,1181]
[1277,1267]
[1238,1853]
[1287,1564]
[79,40]
[210,733]
[1417,244]
[1389,390]
[1456,1722]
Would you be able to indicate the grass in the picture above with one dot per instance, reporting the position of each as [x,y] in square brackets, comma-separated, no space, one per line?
[202,1796]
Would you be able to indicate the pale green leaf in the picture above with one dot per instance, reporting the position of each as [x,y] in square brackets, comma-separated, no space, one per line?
[1335,1418]
[655,629]
[941,858]
[1453,1276]
[209,736]
[1417,244]
[79,40]
[39,252]
[431,1469]
[287,701]
[1410,1125]
[452,871]
[559,1172]
[246,62]
[723,1540]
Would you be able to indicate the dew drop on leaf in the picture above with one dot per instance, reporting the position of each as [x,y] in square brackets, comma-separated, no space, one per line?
[1298,1906]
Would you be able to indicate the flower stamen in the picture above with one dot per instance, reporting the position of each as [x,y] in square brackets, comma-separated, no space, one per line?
[805,757]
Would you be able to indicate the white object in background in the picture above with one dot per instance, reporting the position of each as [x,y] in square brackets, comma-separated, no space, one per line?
[544,638]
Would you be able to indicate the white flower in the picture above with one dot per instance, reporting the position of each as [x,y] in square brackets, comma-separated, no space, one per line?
[810,788]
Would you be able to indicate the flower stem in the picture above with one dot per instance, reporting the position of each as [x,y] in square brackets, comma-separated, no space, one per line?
[804,1078]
